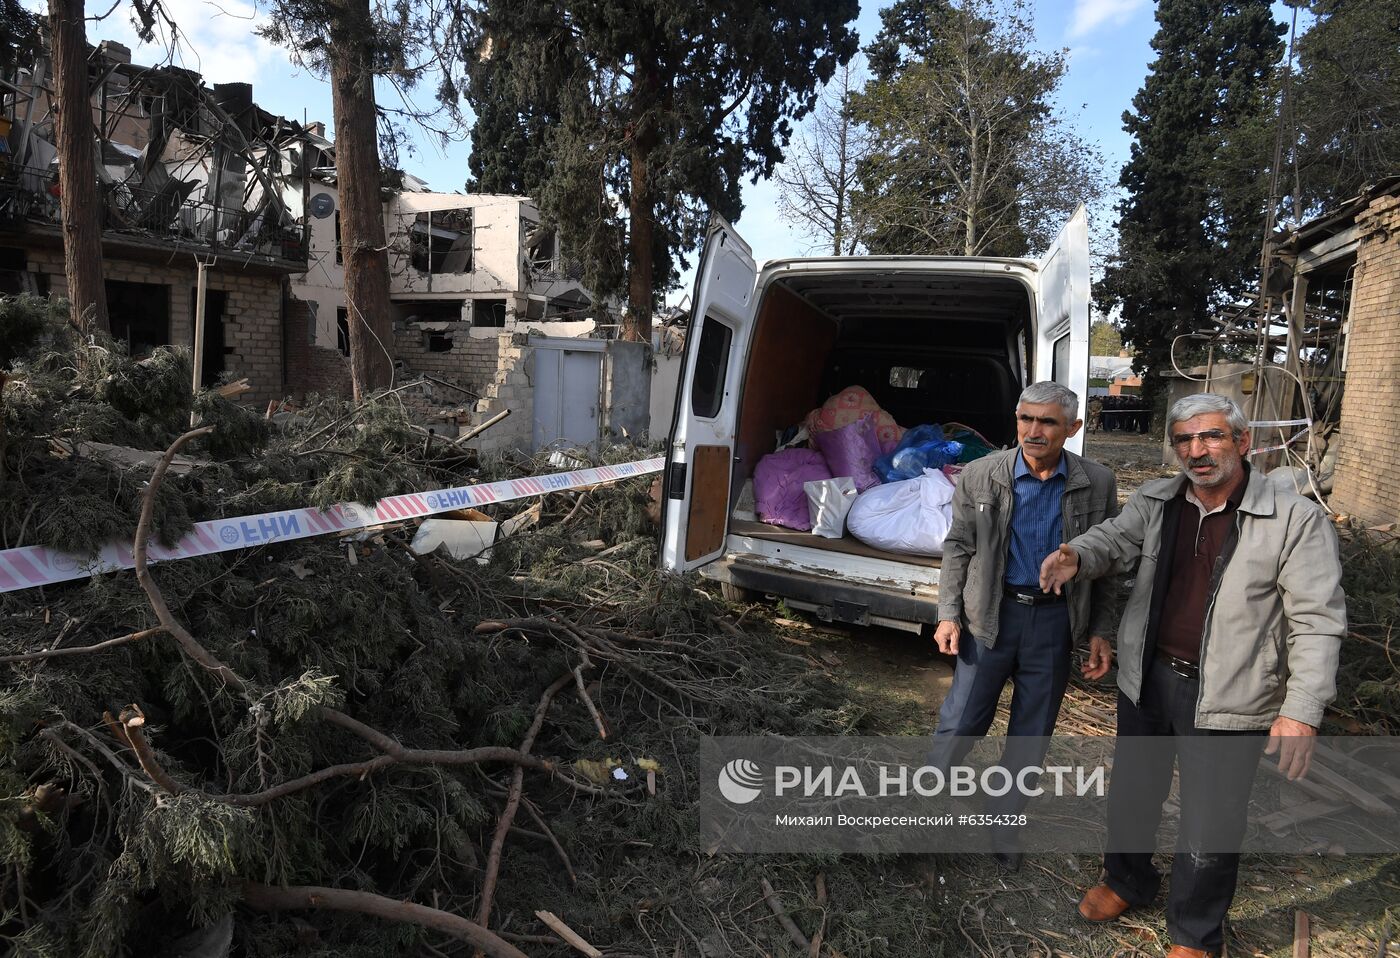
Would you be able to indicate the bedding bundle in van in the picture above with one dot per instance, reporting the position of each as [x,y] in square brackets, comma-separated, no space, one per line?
[889,486]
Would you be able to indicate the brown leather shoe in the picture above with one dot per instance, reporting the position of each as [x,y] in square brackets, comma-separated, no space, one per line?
[1102,903]
[1181,951]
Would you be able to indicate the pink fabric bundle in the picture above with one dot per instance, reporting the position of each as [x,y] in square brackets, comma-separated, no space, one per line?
[845,408]
[777,486]
[852,450]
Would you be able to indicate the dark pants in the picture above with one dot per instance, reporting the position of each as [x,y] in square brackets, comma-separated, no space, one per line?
[1216,771]
[964,674]
[1032,651]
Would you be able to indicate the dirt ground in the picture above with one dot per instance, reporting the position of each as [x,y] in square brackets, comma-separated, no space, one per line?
[1351,901]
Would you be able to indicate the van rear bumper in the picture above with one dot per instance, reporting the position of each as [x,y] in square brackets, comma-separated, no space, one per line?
[834,600]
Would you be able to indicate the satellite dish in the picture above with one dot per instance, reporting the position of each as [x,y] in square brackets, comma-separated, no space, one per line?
[322,205]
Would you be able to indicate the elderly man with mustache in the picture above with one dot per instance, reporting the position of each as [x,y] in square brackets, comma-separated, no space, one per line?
[1231,634]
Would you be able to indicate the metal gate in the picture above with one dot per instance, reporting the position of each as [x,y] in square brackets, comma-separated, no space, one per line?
[568,380]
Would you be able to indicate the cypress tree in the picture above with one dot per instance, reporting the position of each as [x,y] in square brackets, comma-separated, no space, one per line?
[1191,223]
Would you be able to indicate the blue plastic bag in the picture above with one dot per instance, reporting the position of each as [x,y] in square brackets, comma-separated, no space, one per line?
[922,447]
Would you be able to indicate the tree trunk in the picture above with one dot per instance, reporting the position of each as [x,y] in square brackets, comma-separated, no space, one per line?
[77,172]
[361,209]
[641,233]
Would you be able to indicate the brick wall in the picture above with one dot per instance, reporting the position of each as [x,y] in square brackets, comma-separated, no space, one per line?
[311,368]
[252,314]
[1367,484]
[492,367]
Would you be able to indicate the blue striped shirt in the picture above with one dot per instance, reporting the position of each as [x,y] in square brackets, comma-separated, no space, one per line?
[1036,522]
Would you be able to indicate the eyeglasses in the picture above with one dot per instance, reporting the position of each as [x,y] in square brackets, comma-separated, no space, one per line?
[1213,438]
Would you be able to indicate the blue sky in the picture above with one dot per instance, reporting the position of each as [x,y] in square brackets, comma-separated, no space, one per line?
[1108,43]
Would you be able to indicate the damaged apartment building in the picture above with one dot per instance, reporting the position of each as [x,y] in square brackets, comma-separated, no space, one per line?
[481,298]
[191,173]
[188,173]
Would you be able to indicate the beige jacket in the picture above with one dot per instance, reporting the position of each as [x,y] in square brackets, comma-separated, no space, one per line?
[973,571]
[1276,615]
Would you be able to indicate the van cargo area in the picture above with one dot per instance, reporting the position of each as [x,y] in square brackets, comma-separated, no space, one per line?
[929,348]
[933,340]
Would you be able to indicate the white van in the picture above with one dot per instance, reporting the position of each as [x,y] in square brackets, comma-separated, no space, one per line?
[932,338]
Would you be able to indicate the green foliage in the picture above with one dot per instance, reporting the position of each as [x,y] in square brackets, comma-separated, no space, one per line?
[1347,98]
[968,154]
[24,320]
[579,102]
[1191,224]
[19,35]
[1104,339]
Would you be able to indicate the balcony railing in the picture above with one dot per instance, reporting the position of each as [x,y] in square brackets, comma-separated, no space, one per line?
[28,194]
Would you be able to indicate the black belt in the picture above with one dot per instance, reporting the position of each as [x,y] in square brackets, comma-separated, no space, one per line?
[1030,595]
[1182,667]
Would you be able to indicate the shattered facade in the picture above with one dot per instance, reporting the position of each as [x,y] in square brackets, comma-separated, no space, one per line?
[186,173]
[1356,249]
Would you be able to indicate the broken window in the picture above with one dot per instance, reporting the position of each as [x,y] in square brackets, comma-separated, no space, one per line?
[440,241]
[439,343]
[489,312]
[339,259]
[541,246]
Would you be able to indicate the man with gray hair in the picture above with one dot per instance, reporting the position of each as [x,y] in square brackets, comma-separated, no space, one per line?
[1007,508]
[1231,633]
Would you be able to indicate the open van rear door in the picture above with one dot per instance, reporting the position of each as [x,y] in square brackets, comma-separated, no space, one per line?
[700,461]
[1062,314]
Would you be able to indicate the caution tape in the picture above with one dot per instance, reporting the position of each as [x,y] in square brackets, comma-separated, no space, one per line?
[1272,423]
[1283,445]
[32,566]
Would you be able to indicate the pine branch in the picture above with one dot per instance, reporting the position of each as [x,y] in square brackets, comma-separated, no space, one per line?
[80,649]
[295,897]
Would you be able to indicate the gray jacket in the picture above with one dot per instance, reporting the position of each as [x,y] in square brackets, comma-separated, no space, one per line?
[973,572]
[1275,618]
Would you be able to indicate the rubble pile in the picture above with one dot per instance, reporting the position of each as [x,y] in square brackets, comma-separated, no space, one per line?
[340,745]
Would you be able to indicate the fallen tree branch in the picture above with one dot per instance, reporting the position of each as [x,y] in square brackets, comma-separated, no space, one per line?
[133,721]
[775,905]
[573,938]
[517,784]
[188,642]
[295,897]
[81,649]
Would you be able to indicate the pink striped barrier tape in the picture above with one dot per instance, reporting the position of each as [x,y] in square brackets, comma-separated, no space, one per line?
[32,566]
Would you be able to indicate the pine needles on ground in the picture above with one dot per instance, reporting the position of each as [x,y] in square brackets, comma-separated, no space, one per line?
[144,802]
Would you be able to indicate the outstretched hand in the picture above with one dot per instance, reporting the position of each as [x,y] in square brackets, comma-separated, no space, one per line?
[1058,568]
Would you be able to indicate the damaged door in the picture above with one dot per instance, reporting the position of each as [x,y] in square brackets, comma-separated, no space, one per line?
[1062,314]
[700,461]
[567,378]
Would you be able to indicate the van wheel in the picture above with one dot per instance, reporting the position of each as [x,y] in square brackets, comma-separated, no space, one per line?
[737,593]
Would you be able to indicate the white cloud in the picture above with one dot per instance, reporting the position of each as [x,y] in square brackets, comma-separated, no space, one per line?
[216,40]
[1090,14]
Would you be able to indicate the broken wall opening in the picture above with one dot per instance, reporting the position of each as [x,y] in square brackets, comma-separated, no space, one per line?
[212,361]
[140,314]
[441,242]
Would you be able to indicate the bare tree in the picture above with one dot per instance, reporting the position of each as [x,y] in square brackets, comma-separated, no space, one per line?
[817,181]
[971,157]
